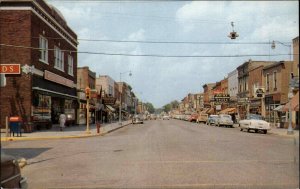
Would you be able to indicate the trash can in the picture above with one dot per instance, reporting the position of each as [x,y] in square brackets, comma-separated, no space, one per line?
[15,125]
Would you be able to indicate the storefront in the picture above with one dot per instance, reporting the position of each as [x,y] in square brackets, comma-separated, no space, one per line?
[272,102]
[53,95]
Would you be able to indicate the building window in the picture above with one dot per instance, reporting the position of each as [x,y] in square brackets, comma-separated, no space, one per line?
[70,65]
[43,45]
[267,82]
[59,59]
[275,81]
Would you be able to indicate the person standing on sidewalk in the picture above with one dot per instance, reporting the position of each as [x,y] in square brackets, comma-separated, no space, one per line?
[62,121]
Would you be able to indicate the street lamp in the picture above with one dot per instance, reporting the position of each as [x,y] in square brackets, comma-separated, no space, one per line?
[120,97]
[290,94]
[273,46]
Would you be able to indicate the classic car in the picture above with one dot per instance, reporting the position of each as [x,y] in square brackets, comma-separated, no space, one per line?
[212,119]
[11,172]
[202,118]
[138,119]
[224,120]
[165,117]
[193,117]
[254,122]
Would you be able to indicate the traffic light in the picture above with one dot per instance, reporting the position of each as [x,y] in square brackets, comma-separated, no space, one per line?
[87,93]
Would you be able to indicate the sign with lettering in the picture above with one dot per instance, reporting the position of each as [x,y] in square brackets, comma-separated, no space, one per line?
[221,97]
[10,68]
[109,100]
[58,79]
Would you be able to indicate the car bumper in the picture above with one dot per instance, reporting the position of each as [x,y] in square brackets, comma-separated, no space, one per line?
[23,183]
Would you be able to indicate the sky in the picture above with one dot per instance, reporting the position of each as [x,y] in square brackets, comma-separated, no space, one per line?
[160,80]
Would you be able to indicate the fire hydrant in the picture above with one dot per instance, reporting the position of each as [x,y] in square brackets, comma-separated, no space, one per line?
[98,127]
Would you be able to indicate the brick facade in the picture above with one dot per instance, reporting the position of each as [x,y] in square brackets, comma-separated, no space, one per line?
[22,23]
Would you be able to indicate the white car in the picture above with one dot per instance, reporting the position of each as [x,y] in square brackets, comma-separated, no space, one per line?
[166,117]
[224,120]
[254,122]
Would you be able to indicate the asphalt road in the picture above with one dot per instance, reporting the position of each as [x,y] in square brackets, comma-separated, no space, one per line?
[162,154]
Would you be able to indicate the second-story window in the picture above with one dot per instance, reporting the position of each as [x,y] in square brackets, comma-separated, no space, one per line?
[43,45]
[275,81]
[70,65]
[59,59]
[267,82]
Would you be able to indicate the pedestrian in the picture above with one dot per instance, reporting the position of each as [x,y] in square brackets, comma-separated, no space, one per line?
[62,121]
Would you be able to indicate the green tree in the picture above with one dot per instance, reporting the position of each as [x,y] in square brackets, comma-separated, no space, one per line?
[150,107]
[167,108]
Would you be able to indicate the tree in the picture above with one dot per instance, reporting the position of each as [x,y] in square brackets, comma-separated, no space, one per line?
[174,104]
[149,107]
[167,108]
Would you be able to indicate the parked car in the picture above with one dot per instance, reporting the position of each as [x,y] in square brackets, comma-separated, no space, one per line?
[202,118]
[153,117]
[254,122]
[165,117]
[212,119]
[11,172]
[225,120]
[138,119]
[187,117]
[193,117]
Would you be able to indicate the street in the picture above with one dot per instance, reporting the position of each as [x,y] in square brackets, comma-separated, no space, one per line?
[162,154]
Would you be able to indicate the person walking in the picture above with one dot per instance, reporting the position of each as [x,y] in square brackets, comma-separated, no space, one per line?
[62,121]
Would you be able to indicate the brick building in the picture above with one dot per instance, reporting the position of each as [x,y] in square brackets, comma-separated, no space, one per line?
[50,89]
[276,79]
[244,92]
[86,78]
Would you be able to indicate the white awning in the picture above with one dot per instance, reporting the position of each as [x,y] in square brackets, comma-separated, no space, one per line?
[279,108]
[110,108]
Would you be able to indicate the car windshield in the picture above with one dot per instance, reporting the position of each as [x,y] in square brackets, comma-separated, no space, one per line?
[254,116]
[226,116]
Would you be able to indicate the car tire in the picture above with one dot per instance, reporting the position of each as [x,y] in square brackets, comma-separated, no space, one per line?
[242,129]
[265,131]
[256,130]
[248,130]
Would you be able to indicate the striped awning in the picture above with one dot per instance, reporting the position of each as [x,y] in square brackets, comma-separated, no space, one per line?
[294,103]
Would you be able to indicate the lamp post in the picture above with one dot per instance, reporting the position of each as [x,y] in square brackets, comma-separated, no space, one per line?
[290,94]
[120,97]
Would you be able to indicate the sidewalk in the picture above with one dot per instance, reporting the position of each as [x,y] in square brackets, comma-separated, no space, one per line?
[283,132]
[75,131]
[278,131]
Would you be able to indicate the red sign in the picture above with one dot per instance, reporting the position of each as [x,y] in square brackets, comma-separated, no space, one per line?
[10,68]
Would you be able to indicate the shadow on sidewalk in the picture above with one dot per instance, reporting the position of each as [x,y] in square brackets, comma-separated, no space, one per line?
[27,153]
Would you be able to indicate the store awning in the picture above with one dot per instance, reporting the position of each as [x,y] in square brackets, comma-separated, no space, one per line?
[279,108]
[228,111]
[294,103]
[210,111]
[53,93]
[110,108]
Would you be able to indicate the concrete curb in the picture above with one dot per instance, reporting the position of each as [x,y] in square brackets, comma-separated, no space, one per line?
[6,139]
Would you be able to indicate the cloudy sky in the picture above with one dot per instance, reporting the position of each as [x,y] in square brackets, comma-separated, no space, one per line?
[160,80]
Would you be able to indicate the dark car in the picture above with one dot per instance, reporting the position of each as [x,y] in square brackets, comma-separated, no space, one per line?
[212,119]
[11,172]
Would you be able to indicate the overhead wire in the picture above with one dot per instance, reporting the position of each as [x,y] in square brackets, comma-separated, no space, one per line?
[146,55]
